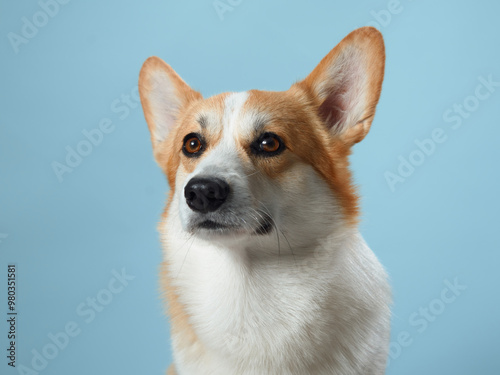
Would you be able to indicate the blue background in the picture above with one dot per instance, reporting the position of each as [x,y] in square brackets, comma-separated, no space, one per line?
[67,237]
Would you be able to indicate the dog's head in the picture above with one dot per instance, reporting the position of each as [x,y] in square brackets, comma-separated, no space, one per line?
[250,163]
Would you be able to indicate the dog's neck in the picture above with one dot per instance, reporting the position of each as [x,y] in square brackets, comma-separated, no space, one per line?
[241,299]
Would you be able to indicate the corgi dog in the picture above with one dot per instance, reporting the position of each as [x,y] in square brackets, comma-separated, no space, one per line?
[265,271]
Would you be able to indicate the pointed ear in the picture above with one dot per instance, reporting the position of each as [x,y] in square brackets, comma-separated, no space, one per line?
[163,95]
[346,84]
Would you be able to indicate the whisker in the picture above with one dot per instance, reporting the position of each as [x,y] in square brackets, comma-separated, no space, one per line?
[266,211]
[184,244]
[251,174]
[268,214]
[185,256]
[290,247]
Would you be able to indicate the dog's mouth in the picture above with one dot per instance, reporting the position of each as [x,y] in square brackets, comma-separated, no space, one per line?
[263,227]
[213,225]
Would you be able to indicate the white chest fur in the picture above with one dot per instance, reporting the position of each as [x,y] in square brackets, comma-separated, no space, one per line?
[324,311]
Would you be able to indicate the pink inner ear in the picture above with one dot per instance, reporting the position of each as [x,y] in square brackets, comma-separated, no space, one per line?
[342,91]
[333,109]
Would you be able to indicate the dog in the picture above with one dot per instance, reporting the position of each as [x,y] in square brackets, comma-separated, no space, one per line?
[265,271]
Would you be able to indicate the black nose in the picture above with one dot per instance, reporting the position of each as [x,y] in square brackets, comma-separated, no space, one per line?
[206,194]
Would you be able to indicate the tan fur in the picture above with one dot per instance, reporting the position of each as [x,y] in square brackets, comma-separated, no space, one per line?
[294,120]
[169,153]
[171,370]
[168,161]
[368,39]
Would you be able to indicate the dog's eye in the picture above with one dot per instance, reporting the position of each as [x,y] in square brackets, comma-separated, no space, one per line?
[268,144]
[193,145]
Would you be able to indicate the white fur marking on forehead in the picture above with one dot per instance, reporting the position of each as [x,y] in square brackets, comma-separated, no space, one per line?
[223,159]
[232,108]
[237,122]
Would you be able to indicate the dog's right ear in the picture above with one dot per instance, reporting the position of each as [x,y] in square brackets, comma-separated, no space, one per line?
[163,95]
[346,84]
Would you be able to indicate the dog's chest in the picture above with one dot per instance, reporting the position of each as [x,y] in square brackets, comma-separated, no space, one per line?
[253,314]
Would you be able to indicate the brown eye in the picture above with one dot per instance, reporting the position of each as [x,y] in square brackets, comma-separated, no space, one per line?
[268,144]
[193,145]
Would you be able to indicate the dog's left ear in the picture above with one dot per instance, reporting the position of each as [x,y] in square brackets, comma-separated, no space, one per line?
[346,84]
[163,95]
